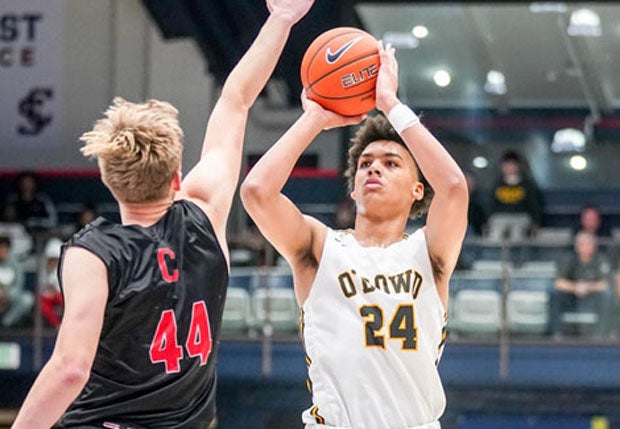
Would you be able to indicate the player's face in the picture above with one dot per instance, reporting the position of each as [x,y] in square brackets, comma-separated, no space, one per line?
[386,178]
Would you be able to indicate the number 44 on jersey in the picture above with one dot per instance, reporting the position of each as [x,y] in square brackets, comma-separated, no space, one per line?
[165,346]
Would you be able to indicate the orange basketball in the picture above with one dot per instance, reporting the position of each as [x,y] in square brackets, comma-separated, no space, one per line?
[339,70]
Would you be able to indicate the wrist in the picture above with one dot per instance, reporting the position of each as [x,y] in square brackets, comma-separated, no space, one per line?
[387,103]
[284,17]
[316,118]
[402,117]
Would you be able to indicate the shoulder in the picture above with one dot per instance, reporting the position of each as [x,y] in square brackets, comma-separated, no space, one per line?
[191,211]
[416,238]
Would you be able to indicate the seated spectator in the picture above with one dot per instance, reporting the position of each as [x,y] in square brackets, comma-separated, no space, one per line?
[34,209]
[516,207]
[476,214]
[51,297]
[15,302]
[581,287]
[345,215]
[86,215]
[591,220]
[615,313]
[251,248]
[21,242]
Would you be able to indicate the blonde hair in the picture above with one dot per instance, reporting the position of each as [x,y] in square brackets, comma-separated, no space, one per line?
[138,148]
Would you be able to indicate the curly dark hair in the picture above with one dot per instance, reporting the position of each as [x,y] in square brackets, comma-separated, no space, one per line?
[378,128]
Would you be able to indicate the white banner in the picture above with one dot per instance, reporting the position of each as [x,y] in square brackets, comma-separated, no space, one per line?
[32,39]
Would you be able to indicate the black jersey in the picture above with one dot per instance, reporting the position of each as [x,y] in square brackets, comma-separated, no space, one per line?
[155,362]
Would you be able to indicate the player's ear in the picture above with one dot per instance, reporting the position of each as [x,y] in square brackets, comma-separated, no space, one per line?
[176,181]
[418,190]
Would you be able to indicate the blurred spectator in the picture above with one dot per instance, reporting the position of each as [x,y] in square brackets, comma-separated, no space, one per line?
[51,297]
[21,242]
[250,248]
[591,220]
[517,208]
[345,215]
[581,288]
[33,209]
[476,215]
[15,302]
[86,215]
[615,313]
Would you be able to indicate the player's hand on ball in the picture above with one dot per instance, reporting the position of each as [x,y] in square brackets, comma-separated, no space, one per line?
[326,117]
[387,79]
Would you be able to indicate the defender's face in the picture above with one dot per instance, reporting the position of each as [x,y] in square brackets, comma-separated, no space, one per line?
[386,174]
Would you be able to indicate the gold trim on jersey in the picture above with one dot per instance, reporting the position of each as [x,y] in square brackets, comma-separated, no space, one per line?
[303,346]
[444,335]
[314,412]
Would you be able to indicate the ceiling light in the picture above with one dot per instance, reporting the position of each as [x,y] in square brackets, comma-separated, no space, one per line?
[568,140]
[442,78]
[544,7]
[496,82]
[400,40]
[578,162]
[419,31]
[585,23]
[480,162]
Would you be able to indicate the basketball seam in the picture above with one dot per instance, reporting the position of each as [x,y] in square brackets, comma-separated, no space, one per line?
[310,85]
[348,96]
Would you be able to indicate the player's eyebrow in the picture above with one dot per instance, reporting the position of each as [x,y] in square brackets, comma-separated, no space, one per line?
[383,155]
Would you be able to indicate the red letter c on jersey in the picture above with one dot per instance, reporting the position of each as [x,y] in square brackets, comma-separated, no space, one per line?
[161,260]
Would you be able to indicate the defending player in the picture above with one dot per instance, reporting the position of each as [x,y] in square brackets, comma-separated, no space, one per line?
[144,300]
[374,301]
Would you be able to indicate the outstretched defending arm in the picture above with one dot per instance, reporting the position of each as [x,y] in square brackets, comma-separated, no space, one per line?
[212,182]
[447,216]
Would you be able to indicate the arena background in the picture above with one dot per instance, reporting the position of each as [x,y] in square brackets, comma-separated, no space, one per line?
[62,62]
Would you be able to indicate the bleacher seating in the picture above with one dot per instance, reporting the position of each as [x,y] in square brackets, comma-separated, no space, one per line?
[241,278]
[259,298]
[237,316]
[476,312]
[527,311]
[537,269]
[276,308]
[475,280]
[532,281]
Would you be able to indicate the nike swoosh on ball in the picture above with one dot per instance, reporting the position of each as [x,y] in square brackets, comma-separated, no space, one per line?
[331,58]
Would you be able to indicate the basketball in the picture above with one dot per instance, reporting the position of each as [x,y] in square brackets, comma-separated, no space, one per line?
[339,70]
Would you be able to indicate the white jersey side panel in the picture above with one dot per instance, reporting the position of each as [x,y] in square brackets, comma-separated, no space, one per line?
[373,331]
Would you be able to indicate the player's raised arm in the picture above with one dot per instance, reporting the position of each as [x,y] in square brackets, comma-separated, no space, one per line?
[212,182]
[447,215]
[295,236]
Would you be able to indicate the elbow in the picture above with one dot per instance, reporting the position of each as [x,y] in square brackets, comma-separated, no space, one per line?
[234,96]
[252,193]
[456,185]
[72,372]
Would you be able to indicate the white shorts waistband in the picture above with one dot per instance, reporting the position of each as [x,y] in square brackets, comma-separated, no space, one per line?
[433,425]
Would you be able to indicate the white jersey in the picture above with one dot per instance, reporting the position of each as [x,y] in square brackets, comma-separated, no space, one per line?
[373,328]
